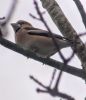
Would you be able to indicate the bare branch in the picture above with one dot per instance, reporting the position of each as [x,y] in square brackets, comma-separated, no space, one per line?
[52,79]
[34,17]
[10,13]
[81,10]
[56,64]
[53,92]
[66,29]
[65,61]
[2,18]
[51,34]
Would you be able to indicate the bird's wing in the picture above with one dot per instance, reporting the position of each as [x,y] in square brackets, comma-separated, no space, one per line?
[39,32]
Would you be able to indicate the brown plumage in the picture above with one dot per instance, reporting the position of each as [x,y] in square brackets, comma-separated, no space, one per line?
[36,40]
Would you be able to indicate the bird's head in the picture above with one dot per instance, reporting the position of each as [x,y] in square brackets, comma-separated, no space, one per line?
[20,24]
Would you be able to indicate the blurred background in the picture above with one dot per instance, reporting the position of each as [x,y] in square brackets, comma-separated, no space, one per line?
[15,68]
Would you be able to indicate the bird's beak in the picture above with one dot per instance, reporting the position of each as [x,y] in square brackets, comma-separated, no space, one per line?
[15,26]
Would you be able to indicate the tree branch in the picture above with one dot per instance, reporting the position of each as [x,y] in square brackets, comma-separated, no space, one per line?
[56,64]
[81,10]
[66,29]
[9,15]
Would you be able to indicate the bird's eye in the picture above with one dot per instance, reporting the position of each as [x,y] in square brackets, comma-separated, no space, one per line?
[19,25]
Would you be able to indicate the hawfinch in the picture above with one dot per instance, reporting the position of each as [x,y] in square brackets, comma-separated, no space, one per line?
[37,40]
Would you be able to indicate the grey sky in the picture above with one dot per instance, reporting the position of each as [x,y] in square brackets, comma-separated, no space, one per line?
[15,69]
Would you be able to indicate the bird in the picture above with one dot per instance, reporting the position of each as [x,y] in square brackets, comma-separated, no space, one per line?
[37,40]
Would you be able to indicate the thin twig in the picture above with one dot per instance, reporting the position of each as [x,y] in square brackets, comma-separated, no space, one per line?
[44,22]
[53,92]
[53,75]
[10,13]
[81,10]
[54,40]
[34,17]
